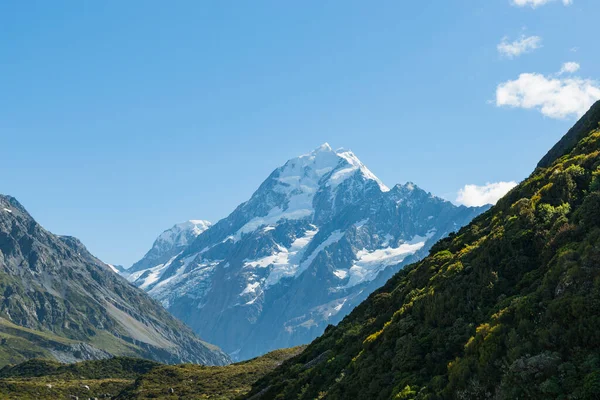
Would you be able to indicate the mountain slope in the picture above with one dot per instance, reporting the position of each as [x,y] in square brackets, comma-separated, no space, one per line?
[319,235]
[118,269]
[508,308]
[59,301]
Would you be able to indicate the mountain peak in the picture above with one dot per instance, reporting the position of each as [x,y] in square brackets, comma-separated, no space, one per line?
[324,162]
[9,203]
[290,191]
[171,242]
[408,187]
[178,232]
[325,147]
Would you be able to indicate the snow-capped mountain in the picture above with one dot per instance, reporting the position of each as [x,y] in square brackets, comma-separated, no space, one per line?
[317,237]
[170,243]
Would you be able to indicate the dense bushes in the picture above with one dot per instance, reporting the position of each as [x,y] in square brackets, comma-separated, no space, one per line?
[507,308]
[126,378]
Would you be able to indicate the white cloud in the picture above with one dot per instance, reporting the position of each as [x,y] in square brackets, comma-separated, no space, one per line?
[553,96]
[525,44]
[490,193]
[569,68]
[537,3]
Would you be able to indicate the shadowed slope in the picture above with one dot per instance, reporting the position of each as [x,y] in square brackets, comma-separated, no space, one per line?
[507,308]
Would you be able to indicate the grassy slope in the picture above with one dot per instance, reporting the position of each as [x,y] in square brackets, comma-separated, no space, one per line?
[18,344]
[507,308]
[54,389]
[199,382]
[130,378]
[44,379]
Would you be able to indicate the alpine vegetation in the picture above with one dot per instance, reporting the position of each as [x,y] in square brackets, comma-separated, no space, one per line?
[507,308]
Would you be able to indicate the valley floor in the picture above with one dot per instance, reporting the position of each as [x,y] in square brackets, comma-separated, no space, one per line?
[124,378]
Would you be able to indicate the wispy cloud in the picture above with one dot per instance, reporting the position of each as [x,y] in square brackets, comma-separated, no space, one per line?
[525,44]
[537,3]
[569,68]
[554,96]
[490,193]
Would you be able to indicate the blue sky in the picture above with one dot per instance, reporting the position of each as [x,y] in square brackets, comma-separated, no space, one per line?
[119,119]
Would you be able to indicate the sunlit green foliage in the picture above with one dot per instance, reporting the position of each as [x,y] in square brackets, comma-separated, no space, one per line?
[507,308]
[188,381]
[46,379]
[126,378]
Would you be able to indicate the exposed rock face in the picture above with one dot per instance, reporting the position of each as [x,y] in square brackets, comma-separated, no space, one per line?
[62,302]
[319,235]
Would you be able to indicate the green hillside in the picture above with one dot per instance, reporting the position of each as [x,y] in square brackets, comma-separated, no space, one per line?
[507,308]
[47,379]
[189,381]
[134,379]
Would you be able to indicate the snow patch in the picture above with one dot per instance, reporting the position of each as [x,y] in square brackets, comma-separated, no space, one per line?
[116,271]
[333,238]
[134,276]
[285,262]
[192,281]
[370,263]
[275,215]
[250,288]
[184,263]
[362,223]
[251,301]
[329,309]
[339,306]
[341,273]
[155,274]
